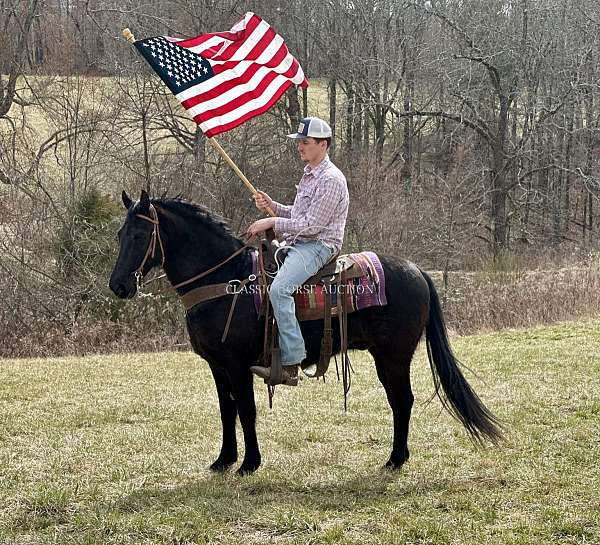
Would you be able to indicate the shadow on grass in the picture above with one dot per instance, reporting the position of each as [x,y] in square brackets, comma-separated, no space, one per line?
[219,494]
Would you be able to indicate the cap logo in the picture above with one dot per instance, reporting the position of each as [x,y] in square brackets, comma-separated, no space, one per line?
[301,128]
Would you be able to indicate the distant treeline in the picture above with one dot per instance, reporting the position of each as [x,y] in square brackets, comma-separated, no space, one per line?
[469,132]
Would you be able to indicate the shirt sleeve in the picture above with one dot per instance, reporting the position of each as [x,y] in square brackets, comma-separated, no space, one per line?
[319,215]
[282,210]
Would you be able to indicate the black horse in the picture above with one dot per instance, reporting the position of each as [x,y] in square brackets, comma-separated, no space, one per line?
[192,240]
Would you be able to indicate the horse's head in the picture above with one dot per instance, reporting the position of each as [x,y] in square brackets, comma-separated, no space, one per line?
[139,246]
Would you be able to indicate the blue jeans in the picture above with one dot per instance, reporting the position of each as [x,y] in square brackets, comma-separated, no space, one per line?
[303,260]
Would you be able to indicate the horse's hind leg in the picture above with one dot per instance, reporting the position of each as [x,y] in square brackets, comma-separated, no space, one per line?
[393,372]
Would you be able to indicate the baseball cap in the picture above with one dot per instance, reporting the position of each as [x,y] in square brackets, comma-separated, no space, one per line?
[313,127]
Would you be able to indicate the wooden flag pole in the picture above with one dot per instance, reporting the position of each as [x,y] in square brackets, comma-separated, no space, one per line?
[128,35]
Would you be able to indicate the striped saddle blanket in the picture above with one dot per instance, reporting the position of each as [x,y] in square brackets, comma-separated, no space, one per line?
[363,291]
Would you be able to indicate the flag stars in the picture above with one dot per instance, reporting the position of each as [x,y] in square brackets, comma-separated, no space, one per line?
[180,66]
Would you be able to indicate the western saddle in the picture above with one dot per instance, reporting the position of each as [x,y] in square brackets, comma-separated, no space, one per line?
[332,279]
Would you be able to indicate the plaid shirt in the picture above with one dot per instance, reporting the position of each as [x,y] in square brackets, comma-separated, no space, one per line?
[319,210]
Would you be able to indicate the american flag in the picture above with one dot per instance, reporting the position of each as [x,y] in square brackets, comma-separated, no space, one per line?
[225,78]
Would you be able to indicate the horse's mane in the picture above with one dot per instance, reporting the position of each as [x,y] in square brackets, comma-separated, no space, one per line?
[195,212]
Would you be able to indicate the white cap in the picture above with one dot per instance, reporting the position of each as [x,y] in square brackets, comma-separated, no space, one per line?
[313,127]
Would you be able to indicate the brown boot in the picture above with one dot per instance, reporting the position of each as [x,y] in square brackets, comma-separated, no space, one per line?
[289,374]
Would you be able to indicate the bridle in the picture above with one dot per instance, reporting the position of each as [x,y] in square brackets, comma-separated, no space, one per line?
[151,251]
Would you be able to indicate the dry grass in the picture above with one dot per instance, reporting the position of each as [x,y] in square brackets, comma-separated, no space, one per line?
[114,449]
[491,301]
[474,302]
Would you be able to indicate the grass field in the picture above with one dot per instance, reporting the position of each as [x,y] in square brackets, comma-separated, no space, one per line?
[115,449]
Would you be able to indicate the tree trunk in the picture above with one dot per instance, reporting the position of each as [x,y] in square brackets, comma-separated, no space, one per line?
[8,91]
[293,108]
[146,151]
[380,113]
[589,131]
[589,161]
[199,148]
[407,141]
[332,107]
[408,121]
[359,115]
[499,184]
[304,101]
[349,116]
[566,200]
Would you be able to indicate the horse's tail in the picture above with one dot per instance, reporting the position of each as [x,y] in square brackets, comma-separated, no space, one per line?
[456,394]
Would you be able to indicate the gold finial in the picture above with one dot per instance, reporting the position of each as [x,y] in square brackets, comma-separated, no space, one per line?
[127,34]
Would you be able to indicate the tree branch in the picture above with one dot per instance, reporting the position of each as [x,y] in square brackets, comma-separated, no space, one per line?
[7,94]
[459,118]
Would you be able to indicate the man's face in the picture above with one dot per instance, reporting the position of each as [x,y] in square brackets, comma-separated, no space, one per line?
[309,149]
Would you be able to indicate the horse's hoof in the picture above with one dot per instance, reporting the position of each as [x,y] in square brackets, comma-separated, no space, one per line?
[219,465]
[396,462]
[248,468]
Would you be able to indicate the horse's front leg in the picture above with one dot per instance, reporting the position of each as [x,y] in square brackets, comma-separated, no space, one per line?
[243,392]
[227,404]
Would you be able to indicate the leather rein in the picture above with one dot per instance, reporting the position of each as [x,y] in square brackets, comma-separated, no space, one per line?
[202,293]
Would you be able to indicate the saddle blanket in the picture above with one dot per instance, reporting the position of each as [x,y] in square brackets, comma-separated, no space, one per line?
[365,291]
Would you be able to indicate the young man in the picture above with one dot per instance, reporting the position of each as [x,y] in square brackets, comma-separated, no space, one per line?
[313,227]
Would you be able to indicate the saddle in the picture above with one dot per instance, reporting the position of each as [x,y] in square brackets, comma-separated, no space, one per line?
[328,281]
[331,288]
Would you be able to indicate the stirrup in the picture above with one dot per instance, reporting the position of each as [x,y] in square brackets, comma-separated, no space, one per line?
[276,375]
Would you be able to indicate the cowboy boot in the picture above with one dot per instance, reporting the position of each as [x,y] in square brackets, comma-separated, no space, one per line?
[288,377]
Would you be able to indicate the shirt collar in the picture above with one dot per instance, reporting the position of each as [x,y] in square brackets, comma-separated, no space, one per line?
[318,169]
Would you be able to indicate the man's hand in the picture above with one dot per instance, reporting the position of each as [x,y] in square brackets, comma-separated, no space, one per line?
[261,225]
[263,201]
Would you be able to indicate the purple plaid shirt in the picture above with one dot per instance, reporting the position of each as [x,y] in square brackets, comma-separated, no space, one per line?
[319,210]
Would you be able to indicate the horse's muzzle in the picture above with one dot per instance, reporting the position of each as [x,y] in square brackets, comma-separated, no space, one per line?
[123,290]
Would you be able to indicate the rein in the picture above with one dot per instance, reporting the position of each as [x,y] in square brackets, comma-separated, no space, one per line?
[153,219]
[201,294]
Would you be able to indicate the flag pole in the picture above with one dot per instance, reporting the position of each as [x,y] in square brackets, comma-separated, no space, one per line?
[128,35]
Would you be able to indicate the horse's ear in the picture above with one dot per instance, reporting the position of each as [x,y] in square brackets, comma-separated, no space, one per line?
[144,203]
[127,202]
